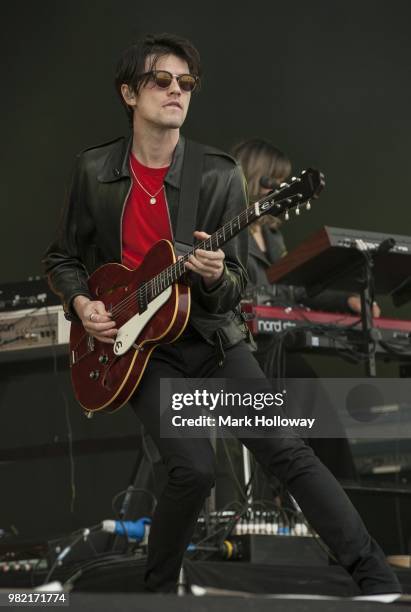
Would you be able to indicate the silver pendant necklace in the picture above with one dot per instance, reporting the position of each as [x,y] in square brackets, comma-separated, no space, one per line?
[153,197]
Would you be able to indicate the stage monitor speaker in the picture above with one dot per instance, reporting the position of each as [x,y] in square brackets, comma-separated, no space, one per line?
[385,510]
[58,470]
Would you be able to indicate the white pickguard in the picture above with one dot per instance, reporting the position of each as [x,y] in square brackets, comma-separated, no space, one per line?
[130,331]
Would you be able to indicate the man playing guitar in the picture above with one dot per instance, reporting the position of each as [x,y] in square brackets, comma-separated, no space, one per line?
[123,198]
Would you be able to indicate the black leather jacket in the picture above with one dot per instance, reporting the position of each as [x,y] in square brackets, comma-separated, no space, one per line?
[89,233]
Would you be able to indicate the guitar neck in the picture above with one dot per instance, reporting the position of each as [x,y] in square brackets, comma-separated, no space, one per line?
[173,273]
[301,189]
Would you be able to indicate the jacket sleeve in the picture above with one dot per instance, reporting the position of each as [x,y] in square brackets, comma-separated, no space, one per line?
[63,264]
[329,299]
[226,294]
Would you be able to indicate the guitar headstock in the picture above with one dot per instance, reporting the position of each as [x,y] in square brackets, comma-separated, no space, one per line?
[296,194]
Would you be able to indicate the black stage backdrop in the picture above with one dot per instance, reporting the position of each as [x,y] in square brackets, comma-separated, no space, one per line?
[328,82]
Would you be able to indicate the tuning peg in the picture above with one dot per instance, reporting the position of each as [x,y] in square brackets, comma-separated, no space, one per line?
[287,215]
[308,205]
[284,185]
[297,210]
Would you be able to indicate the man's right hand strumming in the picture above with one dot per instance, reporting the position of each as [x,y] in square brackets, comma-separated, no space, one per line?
[96,320]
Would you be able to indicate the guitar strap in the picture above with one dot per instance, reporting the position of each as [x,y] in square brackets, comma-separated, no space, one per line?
[189,196]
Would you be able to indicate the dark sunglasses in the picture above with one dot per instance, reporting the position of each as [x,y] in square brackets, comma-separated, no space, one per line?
[164,78]
[267,182]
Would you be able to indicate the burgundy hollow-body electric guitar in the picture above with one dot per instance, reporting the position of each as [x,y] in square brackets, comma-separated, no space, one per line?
[151,305]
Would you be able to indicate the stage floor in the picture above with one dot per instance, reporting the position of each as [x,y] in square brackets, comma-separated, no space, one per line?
[122,602]
[116,583]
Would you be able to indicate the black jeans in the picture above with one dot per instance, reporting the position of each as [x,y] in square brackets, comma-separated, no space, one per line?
[191,471]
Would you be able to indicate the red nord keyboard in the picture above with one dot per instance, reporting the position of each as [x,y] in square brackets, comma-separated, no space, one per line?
[312,329]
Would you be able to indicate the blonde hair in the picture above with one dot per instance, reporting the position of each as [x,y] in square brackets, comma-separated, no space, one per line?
[259,158]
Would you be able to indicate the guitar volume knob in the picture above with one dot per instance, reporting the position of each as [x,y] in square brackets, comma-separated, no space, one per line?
[94,374]
[103,359]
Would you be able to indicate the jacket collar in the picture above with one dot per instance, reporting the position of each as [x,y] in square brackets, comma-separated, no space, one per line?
[116,164]
[272,253]
[255,251]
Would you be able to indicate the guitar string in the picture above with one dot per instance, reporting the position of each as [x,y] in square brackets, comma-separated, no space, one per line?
[125,303]
[167,274]
[163,275]
[130,299]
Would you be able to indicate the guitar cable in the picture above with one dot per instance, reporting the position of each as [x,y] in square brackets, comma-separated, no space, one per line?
[66,413]
[130,491]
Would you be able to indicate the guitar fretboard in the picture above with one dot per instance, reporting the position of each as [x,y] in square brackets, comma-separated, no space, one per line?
[293,195]
[152,288]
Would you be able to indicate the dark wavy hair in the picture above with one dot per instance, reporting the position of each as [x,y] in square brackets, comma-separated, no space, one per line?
[132,63]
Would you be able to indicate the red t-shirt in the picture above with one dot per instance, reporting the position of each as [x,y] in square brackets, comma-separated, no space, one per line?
[144,223]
